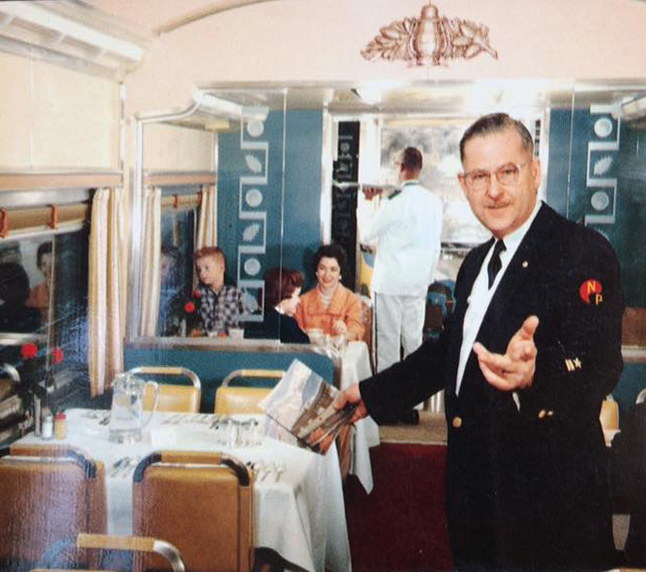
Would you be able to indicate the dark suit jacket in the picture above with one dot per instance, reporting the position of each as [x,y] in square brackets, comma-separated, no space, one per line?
[527,489]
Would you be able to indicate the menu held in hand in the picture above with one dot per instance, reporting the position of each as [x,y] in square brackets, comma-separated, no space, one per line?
[303,404]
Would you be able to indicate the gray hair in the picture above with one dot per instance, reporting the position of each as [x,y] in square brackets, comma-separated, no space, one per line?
[494,123]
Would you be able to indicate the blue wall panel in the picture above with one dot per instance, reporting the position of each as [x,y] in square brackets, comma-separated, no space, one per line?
[292,221]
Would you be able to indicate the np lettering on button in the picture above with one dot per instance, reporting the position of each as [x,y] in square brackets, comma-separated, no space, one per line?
[457,422]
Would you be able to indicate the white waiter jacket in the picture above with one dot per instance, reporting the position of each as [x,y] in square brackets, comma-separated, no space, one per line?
[407,227]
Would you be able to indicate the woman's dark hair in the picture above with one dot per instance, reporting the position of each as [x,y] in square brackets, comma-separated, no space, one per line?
[14,283]
[331,251]
[280,284]
[43,248]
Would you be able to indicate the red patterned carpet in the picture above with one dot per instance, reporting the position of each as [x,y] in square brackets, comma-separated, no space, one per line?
[401,525]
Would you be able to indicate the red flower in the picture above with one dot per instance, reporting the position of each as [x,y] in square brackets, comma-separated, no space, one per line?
[57,355]
[197,294]
[29,351]
[189,307]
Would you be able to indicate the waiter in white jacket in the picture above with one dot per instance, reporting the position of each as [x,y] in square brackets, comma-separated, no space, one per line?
[406,229]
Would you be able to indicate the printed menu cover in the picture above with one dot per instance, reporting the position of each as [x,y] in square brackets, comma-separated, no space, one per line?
[303,404]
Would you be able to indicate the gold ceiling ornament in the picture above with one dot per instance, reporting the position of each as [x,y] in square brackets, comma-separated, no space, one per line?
[430,39]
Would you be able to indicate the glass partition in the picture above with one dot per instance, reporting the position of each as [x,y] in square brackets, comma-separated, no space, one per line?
[236,223]
[290,162]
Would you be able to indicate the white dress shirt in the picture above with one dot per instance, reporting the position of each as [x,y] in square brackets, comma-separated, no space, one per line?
[481,294]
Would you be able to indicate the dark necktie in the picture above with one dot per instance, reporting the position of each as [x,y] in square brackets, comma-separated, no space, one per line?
[495,265]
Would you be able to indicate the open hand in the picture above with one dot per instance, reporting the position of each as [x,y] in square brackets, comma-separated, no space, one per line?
[515,369]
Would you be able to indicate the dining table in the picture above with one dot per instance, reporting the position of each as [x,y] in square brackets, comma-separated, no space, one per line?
[299,509]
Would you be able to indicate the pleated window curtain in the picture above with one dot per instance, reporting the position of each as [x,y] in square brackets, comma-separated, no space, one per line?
[150,261]
[207,228]
[108,263]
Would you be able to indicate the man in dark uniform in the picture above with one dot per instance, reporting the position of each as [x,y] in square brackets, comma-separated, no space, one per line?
[532,348]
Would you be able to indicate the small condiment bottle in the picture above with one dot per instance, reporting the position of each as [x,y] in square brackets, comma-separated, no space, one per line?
[47,425]
[60,425]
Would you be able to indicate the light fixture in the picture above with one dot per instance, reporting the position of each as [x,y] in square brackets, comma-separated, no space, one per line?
[225,109]
[69,33]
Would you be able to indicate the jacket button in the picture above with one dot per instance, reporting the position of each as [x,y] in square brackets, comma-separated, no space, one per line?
[542,413]
[457,422]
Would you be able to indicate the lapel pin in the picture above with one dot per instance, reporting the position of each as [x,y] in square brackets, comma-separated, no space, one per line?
[525,264]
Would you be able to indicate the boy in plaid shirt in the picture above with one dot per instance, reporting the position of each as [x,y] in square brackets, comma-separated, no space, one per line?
[220,305]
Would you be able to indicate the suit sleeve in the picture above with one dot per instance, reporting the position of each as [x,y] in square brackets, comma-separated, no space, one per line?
[579,342]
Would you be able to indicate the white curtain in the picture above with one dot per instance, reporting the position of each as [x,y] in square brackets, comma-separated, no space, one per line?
[150,261]
[108,263]
[207,229]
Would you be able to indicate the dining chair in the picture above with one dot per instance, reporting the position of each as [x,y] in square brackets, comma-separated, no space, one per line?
[48,492]
[244,400]
[172,397]
[75,551]
[202,502]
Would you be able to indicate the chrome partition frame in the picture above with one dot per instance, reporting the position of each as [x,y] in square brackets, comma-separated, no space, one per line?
[136,234]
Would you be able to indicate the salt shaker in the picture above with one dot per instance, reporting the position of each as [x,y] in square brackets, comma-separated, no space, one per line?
[47,425]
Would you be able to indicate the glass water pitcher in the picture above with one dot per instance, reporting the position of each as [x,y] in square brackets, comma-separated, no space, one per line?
[127,412]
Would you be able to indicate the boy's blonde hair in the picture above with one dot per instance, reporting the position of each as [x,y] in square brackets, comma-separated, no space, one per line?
[210,251]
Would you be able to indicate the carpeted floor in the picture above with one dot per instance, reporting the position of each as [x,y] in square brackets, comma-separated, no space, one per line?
[401,525]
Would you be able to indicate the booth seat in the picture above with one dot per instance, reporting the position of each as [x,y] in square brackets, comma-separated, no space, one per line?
[212,360]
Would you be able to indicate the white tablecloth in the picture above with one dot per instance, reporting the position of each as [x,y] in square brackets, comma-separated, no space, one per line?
[356,367]
[301,516]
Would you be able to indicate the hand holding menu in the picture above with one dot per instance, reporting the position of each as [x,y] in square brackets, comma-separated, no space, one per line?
[303,403]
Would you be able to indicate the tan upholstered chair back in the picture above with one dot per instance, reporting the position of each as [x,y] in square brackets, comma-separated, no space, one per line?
[243,400]
[239,400]
[200,502]
[179,398]
[47,493]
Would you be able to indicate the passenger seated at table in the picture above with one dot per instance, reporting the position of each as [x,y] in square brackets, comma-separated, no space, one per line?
[282,290]
[220,305]
[330,306]
[39,294]
[171,293]
[15,316]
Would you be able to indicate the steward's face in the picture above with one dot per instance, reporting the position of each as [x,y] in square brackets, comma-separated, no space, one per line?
[500,180]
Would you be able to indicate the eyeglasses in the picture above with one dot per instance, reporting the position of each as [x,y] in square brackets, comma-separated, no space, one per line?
[480,180]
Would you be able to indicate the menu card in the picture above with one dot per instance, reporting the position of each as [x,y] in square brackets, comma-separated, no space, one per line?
[303,404]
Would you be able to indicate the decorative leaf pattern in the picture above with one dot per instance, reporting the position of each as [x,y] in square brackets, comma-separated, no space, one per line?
[602,166]
[250,232]
[253,163]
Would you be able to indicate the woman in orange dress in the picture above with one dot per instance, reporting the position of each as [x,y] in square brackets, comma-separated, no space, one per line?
[330,306]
